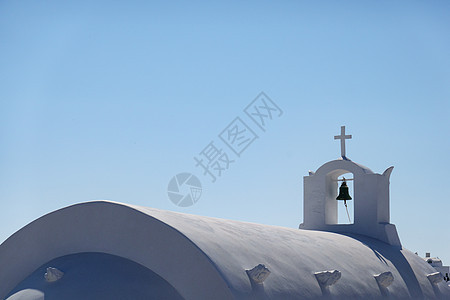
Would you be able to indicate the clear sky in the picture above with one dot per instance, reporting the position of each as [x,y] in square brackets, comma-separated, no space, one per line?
[111,99]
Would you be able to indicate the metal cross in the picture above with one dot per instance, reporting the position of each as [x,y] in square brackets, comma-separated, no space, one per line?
[342,137]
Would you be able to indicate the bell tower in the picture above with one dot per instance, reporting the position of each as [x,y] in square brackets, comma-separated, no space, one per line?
[370,196]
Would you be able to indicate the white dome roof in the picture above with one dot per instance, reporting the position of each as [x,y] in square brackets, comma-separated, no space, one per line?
[204,257]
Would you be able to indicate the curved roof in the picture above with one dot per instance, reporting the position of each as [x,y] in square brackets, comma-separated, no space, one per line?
[203,257]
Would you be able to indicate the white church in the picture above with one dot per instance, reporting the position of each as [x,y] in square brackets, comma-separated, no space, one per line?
[110,250]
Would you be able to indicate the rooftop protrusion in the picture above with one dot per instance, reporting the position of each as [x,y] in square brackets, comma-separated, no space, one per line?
[258,274]
[384,279]
[53,274]
[327,278]
[435,278]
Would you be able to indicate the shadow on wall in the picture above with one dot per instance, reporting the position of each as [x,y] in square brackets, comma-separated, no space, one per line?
[396,257]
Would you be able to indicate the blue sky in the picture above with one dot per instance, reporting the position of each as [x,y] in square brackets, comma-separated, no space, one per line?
[110,99]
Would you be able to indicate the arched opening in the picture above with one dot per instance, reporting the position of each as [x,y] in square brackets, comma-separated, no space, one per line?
[336,212]
[346,212]
[125,231]
[93,275]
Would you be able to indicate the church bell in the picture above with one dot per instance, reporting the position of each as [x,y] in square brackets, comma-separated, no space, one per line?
[343,193]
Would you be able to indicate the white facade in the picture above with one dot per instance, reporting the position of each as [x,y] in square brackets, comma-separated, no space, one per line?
[371,201]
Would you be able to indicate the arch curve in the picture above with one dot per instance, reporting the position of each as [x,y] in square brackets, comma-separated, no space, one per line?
[345,165]
[116,229]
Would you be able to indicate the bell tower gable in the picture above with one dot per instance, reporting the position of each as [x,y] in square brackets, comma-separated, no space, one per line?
[370,200]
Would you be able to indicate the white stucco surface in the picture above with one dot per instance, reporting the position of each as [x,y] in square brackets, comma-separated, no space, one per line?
[371,201]
[206,258]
